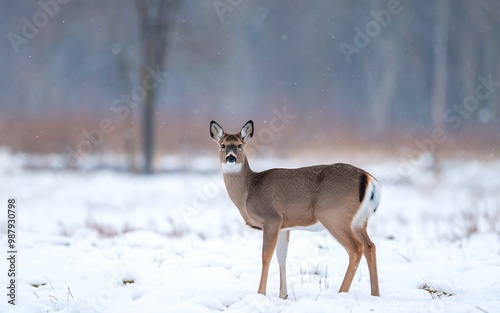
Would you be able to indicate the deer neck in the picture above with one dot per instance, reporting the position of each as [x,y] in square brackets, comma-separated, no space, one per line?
[237,184]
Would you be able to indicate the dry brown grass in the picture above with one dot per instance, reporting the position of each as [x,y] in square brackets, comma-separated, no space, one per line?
[186,134]
[107,231]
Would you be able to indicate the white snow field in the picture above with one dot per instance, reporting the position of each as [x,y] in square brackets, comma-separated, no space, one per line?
[108,241]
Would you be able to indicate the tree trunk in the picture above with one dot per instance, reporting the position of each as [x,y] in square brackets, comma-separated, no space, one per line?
[440,63]
[148,131]
[155,19]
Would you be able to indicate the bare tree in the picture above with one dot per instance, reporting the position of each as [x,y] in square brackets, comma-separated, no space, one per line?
[156,18]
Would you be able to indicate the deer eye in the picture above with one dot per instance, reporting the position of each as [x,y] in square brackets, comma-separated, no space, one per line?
[223,146]
[240,146]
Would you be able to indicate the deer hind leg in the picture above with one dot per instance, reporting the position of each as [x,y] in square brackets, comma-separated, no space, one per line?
[371,257]
[341,230]
[281,252]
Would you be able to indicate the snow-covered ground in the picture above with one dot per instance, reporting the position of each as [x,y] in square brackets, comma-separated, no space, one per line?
[105,241]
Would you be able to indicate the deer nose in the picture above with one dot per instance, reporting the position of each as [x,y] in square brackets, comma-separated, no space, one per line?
[231,159]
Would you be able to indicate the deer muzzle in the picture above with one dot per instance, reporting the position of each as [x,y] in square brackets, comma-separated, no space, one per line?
[231,159]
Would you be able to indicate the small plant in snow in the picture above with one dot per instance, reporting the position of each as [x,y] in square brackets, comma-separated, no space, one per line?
[128,281]
[316,275]
[435,293]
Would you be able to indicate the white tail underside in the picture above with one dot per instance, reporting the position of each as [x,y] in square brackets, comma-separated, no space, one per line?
[368,205]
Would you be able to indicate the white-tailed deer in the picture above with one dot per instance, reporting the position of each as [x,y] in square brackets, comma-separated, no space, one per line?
[339,197]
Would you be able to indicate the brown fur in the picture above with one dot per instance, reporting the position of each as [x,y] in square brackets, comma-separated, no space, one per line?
[282,198]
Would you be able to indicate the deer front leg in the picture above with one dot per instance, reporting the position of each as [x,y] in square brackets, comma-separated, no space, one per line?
[281,252]
[271,231]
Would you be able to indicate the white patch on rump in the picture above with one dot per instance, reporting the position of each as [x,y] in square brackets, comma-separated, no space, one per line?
[231,167]
[368,205]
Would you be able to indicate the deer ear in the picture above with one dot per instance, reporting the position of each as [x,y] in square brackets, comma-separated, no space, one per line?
[216,131]
[247,131]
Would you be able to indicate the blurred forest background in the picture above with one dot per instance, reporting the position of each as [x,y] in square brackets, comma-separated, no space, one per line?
[144,78]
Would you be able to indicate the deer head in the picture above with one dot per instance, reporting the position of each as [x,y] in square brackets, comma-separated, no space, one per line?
[231,146]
